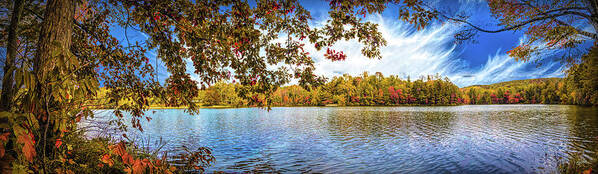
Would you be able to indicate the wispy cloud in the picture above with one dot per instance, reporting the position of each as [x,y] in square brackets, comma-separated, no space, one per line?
[428,52]
[500,67]
[408,52]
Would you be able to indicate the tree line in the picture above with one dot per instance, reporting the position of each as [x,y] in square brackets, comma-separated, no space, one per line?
[346,90]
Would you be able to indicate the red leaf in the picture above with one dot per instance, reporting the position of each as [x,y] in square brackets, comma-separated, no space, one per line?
[58,143]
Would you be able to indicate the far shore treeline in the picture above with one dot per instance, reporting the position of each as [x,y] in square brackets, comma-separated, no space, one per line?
[377,90]
[380,90]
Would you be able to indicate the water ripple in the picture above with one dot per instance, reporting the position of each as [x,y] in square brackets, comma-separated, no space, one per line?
[459,139]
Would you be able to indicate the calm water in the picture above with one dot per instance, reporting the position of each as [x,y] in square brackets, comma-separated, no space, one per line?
[455,139]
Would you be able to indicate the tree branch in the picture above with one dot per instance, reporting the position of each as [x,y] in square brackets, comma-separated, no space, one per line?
[585,33]
[514,27]
[527,3]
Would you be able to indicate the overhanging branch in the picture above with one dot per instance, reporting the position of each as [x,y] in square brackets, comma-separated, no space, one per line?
[519,25]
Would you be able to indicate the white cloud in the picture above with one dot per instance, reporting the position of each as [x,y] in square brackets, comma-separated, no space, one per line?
[500,67]
[428,52]
[407,53]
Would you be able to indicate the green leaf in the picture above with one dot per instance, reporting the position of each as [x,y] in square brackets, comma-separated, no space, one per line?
[27,80]
[33,121]
[19,78]
[5,114]
[4,125]
[31,80]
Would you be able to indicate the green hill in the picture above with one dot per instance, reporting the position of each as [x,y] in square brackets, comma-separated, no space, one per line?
[515,83]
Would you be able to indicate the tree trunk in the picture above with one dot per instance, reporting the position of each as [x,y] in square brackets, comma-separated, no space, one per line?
[55,35]
[57,27]
[56,30]
[11,54]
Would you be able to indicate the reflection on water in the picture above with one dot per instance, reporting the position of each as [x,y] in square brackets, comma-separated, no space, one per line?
[456,139]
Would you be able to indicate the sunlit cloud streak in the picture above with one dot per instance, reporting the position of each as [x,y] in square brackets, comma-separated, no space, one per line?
[429,52]
[500,67]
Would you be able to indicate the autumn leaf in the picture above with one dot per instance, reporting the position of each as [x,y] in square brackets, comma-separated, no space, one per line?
[138,167]
[58,143]
[26,138]
[2,151]
[3,139]
[106,159]
[119,149]
[127,159]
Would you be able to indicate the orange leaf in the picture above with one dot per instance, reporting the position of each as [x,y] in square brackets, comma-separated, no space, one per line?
[106,159]
[138,167]
[4,137]
[127,159]
[119,149]
[29,151]
[26,138]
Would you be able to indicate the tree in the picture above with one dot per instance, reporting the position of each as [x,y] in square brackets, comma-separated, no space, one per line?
[583,80]
[552,24]
[11,51]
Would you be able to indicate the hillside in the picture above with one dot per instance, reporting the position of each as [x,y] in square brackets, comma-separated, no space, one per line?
[515,83]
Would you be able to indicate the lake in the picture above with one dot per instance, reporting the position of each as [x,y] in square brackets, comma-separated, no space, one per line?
[451,139]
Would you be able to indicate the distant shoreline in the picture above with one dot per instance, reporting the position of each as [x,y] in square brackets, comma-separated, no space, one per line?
[334,105]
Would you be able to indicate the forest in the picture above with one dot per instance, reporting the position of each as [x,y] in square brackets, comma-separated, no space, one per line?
[377,90]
